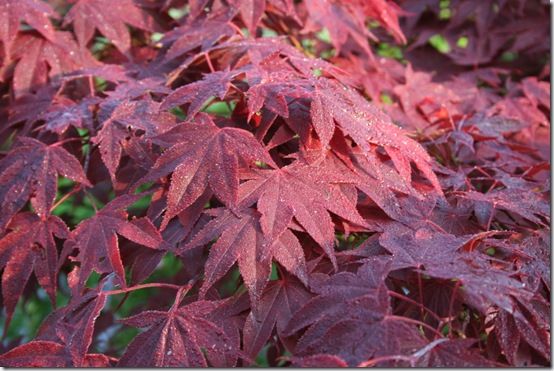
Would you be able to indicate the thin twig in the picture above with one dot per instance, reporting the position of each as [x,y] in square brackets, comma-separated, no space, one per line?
[143,286]
[415,322]
[76,188]
[411,301]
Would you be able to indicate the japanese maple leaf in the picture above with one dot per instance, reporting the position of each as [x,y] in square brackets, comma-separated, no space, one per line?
[35,13]
[29,247]
[73,325]
[30,171]
[381,182]
[439,255]
[199,32]
[110,18]
[342,22]
[451,353]
[419,90]
[97,242]
[507,336]
[302,192]
[126,117]
[40,58]
[529,205]
[529,324]
[386,12]
[343,293]
[251,12]
[351,318]
[203,156]
[64,113]
[29,106]
[39,353]
[422,248]
[537,267]
[279,301]
[128,88]
[186,336]
[333,104]
[215,84]
[537,91]
[356,338]
[271,92]
[241,240]
[532,319]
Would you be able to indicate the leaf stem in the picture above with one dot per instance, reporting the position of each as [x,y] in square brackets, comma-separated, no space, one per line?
[75,189]
[376,360]
[451,306]
[411,301]
[209,61]
[62,142]
[415,322]
[143,286]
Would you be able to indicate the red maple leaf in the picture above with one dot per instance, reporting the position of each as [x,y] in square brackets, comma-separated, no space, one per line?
[204,156]
[241,240]
[41,353]
[110,19]
[36,13]
[39,58]
[30,247]
[97,242]
[186,336]
[30,171]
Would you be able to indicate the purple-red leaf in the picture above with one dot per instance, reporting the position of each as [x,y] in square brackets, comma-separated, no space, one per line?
[30,246]
[184,336]
[30,171]
[97,241]
[111,19]
[204,156]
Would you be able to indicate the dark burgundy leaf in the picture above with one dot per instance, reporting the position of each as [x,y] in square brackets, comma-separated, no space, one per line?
[30,172]
[48,354]
[35,13]
[39,59]
[275,308]
[341,183]
[97,241]
[202,156]
[108,18]
[319,360]
[241,240]
[185,336]
[30,247]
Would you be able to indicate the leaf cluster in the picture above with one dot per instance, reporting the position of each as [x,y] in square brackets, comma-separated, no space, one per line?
[331,183]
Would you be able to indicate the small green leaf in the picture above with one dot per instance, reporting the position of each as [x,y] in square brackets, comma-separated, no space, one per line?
[93,280]
[440,43]
[274,273]
[260,164]
[178,112]
[508,57]
[324,35]
[268,32]
[445,14]
[156,36]
[462,42]
[390,51]
[178,13]
[386,99]
[222,109]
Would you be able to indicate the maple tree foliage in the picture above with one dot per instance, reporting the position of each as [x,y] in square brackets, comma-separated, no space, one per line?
[331,183]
